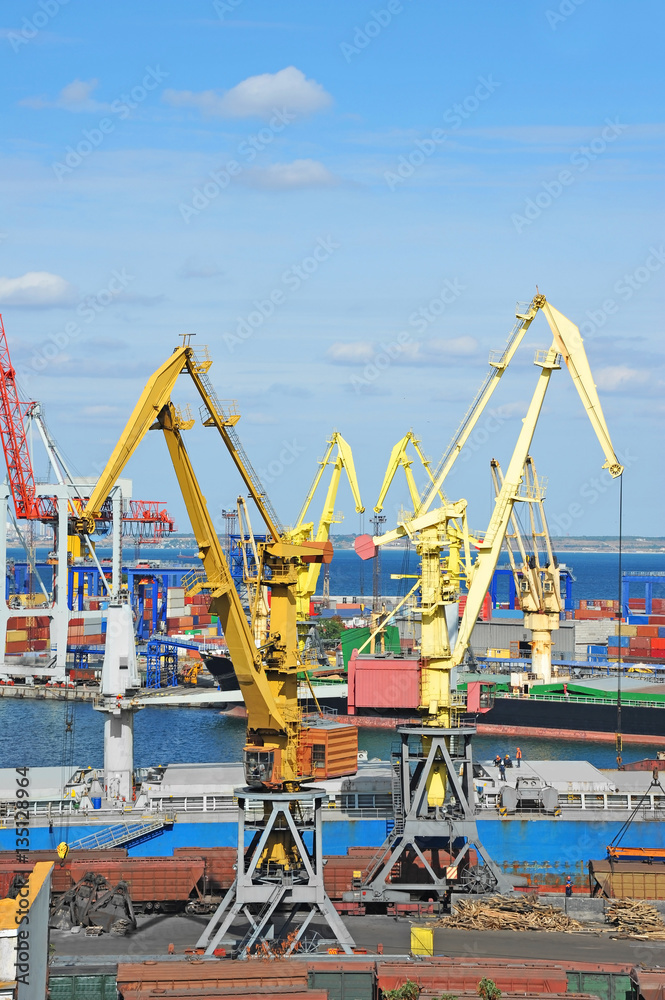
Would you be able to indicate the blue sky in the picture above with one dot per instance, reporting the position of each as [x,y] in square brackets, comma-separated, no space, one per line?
[303,184]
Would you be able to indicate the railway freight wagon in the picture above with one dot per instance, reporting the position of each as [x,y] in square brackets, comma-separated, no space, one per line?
[196,878]
[627,879]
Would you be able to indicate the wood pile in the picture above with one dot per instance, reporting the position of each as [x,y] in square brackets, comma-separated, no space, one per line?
[634,918]
[505,913]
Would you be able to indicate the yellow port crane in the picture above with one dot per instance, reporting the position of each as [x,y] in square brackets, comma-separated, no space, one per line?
[433,775]
[535,569]
[282,865]
[429,529]
[303,532]
[267,675]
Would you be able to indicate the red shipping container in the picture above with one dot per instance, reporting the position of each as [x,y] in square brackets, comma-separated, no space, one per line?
[639,642]
[383,683]
[648,630]
[657,645]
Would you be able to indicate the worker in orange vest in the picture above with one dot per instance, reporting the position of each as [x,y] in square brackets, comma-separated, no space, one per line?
[518,757]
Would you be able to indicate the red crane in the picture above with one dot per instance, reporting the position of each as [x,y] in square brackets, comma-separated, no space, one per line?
[15,443]
[145,517]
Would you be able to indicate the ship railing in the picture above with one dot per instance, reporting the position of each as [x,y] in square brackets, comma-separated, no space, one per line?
[653,807]
[582,699]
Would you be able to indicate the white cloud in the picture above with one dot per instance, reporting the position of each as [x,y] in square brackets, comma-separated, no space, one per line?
[358,352]
[38,289]
[75,96]
[290,176]
[257,96]
[619,377]
[436,351]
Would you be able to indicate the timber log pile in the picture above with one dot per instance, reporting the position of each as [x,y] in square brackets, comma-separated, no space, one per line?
[503,913]
[636,919]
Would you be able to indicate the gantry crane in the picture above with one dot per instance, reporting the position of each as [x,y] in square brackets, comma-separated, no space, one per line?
[303,531]
[433,802]
[280,866]
[535,569]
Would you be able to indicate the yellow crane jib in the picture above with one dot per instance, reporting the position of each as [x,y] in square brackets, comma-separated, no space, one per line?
[571,347]
[399,457]
[302,532]
[269,682]
[156,393]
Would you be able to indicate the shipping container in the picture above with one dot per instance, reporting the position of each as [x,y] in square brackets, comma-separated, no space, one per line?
[100,987]
[383,682]
[328,749]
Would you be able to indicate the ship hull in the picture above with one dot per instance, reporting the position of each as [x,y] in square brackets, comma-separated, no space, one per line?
[566,716]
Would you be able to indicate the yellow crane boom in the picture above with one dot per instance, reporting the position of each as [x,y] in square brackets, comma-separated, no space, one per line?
[399,457]
[267,676]
[499,361]
[308,575]
[429,528]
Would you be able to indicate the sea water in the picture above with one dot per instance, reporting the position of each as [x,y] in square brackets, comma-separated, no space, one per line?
[33,732]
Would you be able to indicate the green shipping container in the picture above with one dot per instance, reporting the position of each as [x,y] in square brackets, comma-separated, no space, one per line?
[83,988]
[353,638]
[605,985]
[343,985]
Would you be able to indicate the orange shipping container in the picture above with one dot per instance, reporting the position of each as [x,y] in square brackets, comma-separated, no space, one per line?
[329,749]
[16,647]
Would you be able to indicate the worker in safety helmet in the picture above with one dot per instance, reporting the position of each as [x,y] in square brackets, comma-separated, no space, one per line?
[518,757]
[497,760]
[507,761]
[569,886]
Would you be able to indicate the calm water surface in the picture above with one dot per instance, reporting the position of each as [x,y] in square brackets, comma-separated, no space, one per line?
[33,733]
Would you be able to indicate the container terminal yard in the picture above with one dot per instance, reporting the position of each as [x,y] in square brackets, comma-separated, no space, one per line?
[134,874]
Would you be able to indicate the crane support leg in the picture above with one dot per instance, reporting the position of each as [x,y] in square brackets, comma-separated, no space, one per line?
[431,850]
[262,888]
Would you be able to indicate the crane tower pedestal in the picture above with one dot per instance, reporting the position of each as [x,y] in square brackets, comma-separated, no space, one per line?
[268,896]
[432,849]
[120,681]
